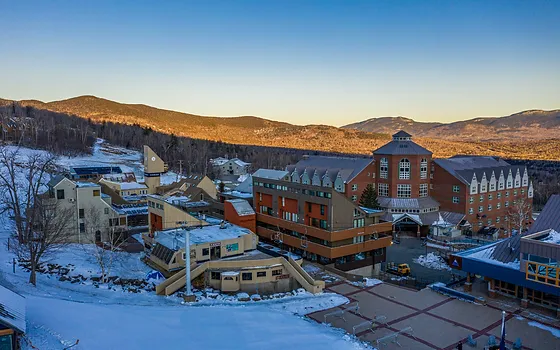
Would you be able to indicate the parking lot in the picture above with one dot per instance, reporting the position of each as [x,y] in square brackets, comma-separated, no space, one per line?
[429,320]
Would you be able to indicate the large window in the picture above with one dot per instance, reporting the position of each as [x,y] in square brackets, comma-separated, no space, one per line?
[354,187]
[60,194]
[543,273]
[423,192]
[359,222]
[455,199]
[403,191]
[247,276]
[383,168]
[383,190]
[424,168]
[404,169]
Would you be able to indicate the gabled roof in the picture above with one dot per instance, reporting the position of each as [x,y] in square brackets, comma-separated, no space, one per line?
[246,186]
[465,167]
[332,166]
[12,309]
[55,180]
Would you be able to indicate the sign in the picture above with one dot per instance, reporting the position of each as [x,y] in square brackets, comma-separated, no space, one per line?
[456,262]
[232,247]
[282,277]
[215,244]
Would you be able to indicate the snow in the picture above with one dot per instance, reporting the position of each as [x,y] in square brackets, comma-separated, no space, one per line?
[242,207]
[554,331]
[432,261]
[553,237]
[370,282]
[59,312]
[131,185]
[242,178]
[205,234]
[14,306]
[485,255]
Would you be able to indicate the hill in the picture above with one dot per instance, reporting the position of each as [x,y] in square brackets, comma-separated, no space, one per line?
[527,125]
[250,130]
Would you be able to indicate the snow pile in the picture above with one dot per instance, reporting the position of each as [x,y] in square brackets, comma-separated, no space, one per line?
[553,237]
[554,331]
[432,261]
[370,282]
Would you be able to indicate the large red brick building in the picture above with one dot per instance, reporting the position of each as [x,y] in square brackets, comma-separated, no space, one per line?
[484,188]
[404,186]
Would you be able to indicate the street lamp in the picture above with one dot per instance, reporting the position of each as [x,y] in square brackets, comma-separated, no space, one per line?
[189,297]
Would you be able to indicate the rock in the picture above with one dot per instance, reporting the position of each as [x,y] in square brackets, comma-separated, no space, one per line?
[243,297]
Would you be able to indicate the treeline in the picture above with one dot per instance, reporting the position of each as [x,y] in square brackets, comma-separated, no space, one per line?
[545,176]
[70,135]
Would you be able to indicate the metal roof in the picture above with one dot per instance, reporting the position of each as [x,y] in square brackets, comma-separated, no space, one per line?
[331,166]
[549,218]
[402,148]
[96,170]
[464,167]
[242,207]
[407,203]
[402,133]
[12,309]
[270,174]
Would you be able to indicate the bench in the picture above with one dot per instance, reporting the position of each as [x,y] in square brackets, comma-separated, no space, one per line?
[394,337]
[380,320]
[355,308]
[366,325]
[337,313]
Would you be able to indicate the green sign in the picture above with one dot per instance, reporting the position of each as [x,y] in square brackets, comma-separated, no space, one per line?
[232,247]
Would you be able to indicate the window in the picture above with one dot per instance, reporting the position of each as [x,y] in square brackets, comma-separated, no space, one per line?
[323,224]
[471,200]
[498,205]
[490,196]
[423,168]
[423,192]
[383,190]
[471,211]
[261,274]
[489,221]
[358,239]
[309,207]
[82,227]
[106,211]
[205,251]
[354,187]
[404,169]
[499,195]
[403,191]
[506,204]
[354,198]
[81,213]
[515,192]
[96,193]
[322,209]
[498,220]
[276,272]
[507,193]
[215,275]
[480,209]
[489,207]
[383,168]
[481,198]
[247,276]
[59,194]
[456,188]
[455,199]
[522,191]
[359,222]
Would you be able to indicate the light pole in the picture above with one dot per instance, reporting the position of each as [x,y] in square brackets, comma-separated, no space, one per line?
[189,297]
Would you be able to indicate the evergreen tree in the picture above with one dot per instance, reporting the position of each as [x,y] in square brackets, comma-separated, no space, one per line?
[369,198]
[221,187]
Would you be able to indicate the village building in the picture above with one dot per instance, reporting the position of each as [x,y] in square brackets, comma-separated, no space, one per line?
[485,189]
[244,190]
[127,189]
[314,214]
[227,167]
[524,266]
[93,214]
[92,172]
[12,319]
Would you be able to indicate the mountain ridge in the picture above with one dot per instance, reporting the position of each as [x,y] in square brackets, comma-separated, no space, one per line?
[257,131]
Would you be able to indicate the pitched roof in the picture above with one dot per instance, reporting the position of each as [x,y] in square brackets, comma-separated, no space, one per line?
[407,203]
[242,207]
[12,309]
[331,166]
[246,186]
[549,218]
[402,133]
[55,180]
[270,174]
[464,167]
[407,147]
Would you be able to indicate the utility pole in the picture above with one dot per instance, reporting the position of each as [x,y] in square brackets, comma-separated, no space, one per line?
[188,297]
[180,169]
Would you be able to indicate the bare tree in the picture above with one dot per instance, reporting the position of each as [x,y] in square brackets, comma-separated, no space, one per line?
[41,224]
[518,214]
[105,242]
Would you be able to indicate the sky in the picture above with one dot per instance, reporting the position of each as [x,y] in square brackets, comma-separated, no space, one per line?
[303,62]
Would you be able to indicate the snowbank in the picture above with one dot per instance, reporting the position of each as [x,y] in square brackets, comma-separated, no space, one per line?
[554,331]
[432,261]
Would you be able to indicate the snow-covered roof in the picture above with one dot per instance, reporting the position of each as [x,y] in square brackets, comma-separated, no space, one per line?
[486,254]
[175,238]
[270,174]
[86,184]
[553,237]
[132,210]
[129,185]
[219,161]
[12,309]
[240,162]
[242,207]
[371,211]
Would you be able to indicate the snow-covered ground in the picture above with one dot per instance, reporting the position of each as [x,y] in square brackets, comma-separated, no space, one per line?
[432,261]
[60,312]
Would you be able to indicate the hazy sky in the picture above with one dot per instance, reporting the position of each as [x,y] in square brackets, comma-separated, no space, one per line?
[329,62]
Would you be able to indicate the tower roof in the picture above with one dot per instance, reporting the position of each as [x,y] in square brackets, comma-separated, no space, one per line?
[402,144]
[402,133]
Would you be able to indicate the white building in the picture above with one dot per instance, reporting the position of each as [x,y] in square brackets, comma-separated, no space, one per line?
[233,166]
